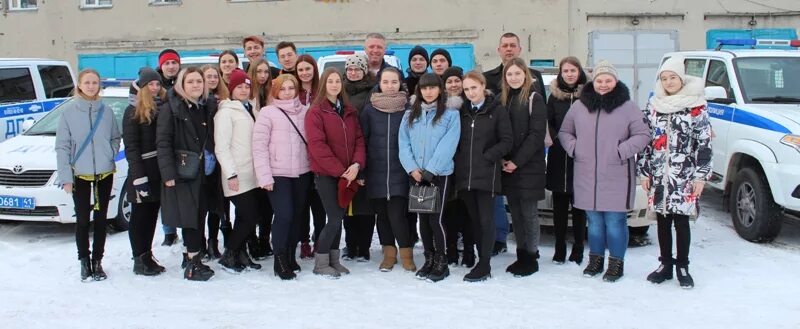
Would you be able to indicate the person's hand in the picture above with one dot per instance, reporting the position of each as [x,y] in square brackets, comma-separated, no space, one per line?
[68,188]
[233,184]
[417,175]
[509,166]
[698,188]
[645,182]
[361,182]
[351,173]
[269,187]
[170,183]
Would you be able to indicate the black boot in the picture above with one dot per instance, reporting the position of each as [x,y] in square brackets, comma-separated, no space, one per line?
[151,263]
[452,256]
[577,253]
[468,259]
[245,260]
[615,270]
[561,251]
[499,248]
[185,261]
[230,262]
[440,269]
[662,273]
[595,266]
[97,270]
[350,252]
[684,278]
[481,272]
[196,270]
[265,247]
[213,249]
[254,247]
[140,266]
[169,239]
[282,268]
[529,265]
[427,267]
[292,256]
[515,266]
[86,270]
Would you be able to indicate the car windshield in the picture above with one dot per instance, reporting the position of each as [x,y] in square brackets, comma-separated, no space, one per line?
[769,79]
[49,123]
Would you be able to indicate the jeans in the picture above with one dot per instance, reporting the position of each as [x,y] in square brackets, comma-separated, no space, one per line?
[500,219]
[608,230]
[288,198]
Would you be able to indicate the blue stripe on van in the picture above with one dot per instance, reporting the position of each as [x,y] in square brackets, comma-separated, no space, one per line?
[740,116]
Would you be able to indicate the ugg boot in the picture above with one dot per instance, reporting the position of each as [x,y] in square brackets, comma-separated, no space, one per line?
[322,266]
[335,254]
[615,270]
[530,265]
[389,259]
[407,258]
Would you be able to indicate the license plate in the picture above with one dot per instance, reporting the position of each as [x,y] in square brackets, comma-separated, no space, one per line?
[16,202]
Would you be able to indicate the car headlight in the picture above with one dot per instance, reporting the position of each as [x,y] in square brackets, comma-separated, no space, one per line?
[792,140]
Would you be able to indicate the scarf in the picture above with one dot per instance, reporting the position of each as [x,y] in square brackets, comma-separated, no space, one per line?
[389,102]
[691,95]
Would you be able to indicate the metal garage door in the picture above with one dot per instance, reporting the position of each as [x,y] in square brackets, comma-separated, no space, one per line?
[635,54]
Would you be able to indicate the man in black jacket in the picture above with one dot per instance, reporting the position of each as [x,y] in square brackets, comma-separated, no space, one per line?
[509,48]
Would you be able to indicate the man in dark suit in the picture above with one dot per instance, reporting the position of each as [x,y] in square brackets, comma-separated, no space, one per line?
[509,48]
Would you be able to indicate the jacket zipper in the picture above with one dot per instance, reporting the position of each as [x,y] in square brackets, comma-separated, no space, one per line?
[471,138]
[94,163]
[344,128]
[596,134]
[665,176]
[388,157]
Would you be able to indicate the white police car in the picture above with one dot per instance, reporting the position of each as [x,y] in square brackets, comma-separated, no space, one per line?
[754,105]
[28,179]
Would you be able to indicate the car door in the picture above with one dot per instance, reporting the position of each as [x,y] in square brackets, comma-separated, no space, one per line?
[720,111]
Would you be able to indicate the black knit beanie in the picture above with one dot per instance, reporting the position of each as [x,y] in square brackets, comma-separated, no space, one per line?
[418,50]
[146,75]
[453,71]
[443,52]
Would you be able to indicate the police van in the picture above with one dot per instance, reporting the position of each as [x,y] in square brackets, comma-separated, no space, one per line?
[29,88]
[754,107]
[29,188]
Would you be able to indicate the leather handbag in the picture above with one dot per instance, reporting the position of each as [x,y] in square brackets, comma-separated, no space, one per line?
[188,164]
[424,199]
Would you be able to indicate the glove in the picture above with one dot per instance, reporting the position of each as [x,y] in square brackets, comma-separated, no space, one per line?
[142,187]
[427,176]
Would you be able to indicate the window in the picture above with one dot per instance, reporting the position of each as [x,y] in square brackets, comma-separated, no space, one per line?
[16,85]
[95,3]
[164,2]
[57,80]
[769,79]
[695,67]
[718,76]
[22,5]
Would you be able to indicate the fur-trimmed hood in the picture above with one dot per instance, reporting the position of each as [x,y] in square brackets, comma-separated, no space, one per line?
[562,95]
[453,102]
[608,102]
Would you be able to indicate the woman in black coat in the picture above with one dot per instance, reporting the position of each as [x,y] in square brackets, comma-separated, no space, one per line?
[185,125]
[564,90]
[524,166]
[144,179]
[486,138]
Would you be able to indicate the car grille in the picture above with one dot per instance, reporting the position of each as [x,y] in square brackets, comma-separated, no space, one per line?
[38,211]
[29,178]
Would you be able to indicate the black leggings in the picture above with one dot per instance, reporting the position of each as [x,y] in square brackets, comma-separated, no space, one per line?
[248,214]
[331,234]
[561,208]
[289,197]
[314,207]
[431,226]
[683,238]
[480,205]
[359,230]
[142,227]
[217,222]
[83,194]
[393,221]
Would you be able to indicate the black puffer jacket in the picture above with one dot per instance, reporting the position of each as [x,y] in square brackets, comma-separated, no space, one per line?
[140,152]
[358,92]
[559,165]
[485,139]
[529,127]
[385,176]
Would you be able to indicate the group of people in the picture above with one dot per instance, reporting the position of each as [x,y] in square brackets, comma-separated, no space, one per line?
[437,149]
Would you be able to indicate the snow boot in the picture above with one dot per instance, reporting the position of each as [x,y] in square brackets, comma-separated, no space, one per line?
[662,273]
[86,270]
[577,253]
[440,269]
[213,249]
[97,270]
[282,268]
[322,266]
[254,248]
[305,251]
[530,265]
[595,266]
[151,262]
[349,253]
[684,278]
[196,270]
[468,259]
[245,260]
[560,254]
[515,266]
[230,262]
[481,272]
[407,259]
[427,267]
[169,239]
[615,270]
[389,259]
[140,266]
[335,254]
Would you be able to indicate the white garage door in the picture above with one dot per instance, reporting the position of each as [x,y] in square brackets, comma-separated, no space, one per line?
[635,54]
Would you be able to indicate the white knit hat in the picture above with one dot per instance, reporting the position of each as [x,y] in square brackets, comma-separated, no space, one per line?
[604,67]
[674,64]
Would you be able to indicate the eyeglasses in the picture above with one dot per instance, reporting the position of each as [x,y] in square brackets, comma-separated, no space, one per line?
[353,69]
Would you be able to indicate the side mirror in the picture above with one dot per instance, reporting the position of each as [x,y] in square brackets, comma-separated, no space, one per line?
[27,124]
[717,94]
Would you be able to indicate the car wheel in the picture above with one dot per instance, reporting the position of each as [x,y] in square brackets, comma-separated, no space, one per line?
[756,217]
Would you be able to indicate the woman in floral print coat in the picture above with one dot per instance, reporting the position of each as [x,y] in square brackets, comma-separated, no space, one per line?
[676,164]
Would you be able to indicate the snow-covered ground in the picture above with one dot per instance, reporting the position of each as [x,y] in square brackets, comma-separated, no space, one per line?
[738,285]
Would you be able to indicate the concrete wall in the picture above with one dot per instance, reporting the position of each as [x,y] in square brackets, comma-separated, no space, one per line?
[548,28]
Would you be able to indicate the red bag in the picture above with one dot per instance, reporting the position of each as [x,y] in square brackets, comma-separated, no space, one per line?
[346,193]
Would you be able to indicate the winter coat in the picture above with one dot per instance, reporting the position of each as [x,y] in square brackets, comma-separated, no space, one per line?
[358,92]
[529,127]
[431,146]
[233,137]
[559,165]
[140,152]
[603,134]
[385,176]
[180,129]
[486,137]
[680,151]
[334,142]
[494,80]
[278,150]
[74,126]
[412,79]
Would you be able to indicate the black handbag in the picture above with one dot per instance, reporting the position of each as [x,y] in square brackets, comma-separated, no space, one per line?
[188,163]
[424,199]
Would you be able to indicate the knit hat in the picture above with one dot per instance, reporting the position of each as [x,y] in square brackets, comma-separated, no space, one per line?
[418,50]
[168,54]
[443,52]
[236,78]
[604,67]
[146,75]
[674,64]
[358,60]
[453,71]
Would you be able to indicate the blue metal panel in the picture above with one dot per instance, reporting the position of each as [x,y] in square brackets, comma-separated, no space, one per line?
[782,34]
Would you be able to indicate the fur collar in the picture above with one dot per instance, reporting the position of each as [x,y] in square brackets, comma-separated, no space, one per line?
[608,102]
[562,95]
[453,102]
[690,96]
